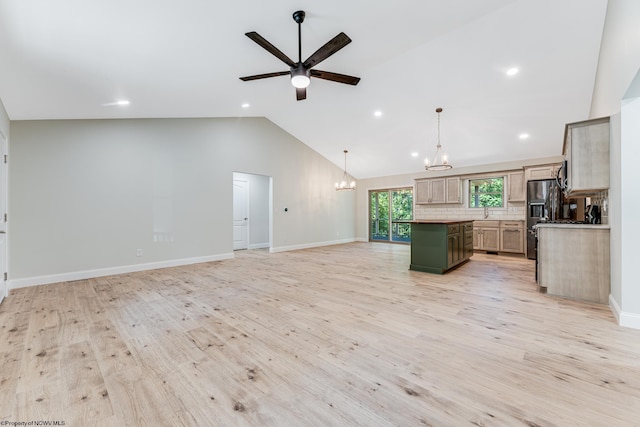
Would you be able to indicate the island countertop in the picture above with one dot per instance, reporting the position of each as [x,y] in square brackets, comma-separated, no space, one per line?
[440,221]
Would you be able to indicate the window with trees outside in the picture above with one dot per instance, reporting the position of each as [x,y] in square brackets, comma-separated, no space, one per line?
[486,192]
[390,215]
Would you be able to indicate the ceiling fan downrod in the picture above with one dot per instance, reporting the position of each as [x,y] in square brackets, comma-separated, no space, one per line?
[298,17]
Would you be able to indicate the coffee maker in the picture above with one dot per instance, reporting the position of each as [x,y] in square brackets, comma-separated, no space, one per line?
[592,214]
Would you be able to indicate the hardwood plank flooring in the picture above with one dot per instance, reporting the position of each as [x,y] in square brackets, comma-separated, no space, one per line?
[343,335]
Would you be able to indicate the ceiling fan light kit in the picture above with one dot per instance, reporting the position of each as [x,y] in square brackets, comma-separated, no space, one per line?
[301,72]
[300,77]
[440,160]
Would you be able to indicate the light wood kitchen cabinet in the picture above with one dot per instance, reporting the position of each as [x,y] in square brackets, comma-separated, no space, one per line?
[454,190]
[486,236]
[573,261]
[430,191]
[516,187]
[512,236]
[499,236]
[586,150]
[438,191]
[532,173]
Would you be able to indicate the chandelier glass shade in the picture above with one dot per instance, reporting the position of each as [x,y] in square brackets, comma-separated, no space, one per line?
[346,183]
[440,159]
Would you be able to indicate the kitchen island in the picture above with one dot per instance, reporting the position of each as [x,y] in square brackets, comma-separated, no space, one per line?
[440,245]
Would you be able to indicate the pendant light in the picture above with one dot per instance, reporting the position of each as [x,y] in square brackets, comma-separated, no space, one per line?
[440,160]
[345,184]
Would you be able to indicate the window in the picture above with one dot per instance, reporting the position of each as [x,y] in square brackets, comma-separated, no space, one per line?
[486,192]
[391,221]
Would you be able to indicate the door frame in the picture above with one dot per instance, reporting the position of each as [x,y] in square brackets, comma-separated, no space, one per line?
[4,203]
[246,241]
[390,221]
[262,209]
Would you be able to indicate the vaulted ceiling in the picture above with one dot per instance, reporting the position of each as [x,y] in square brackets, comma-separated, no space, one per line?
[73,59]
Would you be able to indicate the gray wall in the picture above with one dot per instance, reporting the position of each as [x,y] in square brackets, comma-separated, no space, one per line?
[618,65]
[86,194]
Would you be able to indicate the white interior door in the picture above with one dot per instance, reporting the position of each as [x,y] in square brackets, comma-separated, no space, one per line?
[4,291]
[240,214]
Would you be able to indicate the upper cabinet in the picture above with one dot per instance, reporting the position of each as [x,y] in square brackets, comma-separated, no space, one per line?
[586,151]
[438,190]
[516,187]
[532,173]
[454,190]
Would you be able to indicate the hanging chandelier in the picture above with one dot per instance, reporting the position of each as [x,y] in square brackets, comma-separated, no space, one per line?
[440,160]
[346,183]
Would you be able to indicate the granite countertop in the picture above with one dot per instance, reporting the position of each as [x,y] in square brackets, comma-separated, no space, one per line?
[440,221]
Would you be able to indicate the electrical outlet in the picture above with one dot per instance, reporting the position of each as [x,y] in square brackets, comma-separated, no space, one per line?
[139,252]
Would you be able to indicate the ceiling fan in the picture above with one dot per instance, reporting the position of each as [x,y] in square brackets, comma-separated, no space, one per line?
[301,72]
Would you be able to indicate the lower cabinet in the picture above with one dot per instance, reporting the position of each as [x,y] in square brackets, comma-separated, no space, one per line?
[512,236]
[486,235]
[499,236]
[439,246]
[467,239]
[454,246]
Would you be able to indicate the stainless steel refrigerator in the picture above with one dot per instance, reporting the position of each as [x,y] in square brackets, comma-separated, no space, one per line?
[544,203]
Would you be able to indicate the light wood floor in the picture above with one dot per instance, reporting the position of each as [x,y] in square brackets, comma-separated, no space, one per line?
[337,336]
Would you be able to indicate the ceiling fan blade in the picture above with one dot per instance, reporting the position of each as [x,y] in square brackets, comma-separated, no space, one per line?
[301,93]
[264,76]
[335,77]
[270,48]
[331,47]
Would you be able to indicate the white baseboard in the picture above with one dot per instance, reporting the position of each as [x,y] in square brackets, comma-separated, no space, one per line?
[310,245]
[89,274]
[259,245]
[628,320]
[615,308]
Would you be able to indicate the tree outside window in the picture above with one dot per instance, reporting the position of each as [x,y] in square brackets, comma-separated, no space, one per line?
[390,215]
[486,192]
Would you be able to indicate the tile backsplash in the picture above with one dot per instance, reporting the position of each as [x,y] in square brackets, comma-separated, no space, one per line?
[513,212]
[601,199]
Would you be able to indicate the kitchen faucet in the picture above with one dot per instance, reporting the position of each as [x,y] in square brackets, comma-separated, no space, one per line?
[486,212]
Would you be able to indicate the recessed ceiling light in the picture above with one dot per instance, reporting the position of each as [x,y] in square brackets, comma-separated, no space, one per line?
[377,113]
[512,71]
[414,154]
[246,105]
[121,102]
[524,136]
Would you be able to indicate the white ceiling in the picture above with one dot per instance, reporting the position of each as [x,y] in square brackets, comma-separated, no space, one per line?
[65,59]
